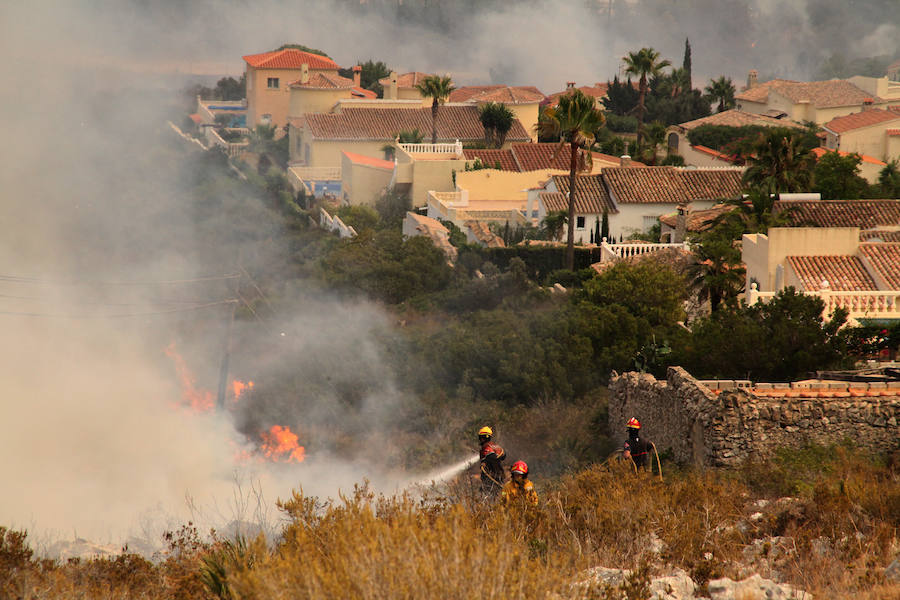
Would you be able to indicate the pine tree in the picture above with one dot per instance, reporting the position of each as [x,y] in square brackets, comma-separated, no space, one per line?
[597,236]
[604,228]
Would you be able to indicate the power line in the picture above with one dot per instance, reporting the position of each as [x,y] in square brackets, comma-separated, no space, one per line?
[99,303]
[119,315]
[38,281]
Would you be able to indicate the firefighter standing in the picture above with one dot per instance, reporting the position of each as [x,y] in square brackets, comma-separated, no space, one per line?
[491,456]
[636,447]
[519,488]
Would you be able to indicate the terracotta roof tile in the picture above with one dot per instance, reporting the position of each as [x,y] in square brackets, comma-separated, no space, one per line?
[821,94]
[406,80]
[289,58]
[893,132]
[671,185]
[879,235]
[698,220]
[885,258]
[714,153]
[843,273]
[865,214]
[738,118]
[490,157]
[497,93]
[820,152]
[454,122]
[324,81]
[865,118]
[597,91]
[591,196]
[360,159]
[483,234]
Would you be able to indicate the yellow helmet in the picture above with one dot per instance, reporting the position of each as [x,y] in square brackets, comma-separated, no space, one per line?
[486,431]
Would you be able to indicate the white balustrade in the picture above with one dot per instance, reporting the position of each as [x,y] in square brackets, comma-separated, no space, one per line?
[863,304]
[454,148]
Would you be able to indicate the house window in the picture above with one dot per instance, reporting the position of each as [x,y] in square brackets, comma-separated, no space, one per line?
[579,222]
[272,83]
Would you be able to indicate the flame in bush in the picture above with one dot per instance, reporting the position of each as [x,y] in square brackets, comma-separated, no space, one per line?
[238,387]
[199,400]
[280,445]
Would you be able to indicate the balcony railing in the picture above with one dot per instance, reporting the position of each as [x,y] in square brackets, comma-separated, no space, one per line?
[611,252]
[454,148]
[231,148]
[879,304]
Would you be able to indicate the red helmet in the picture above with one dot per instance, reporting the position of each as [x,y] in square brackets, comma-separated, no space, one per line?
[519,467]
[633,423]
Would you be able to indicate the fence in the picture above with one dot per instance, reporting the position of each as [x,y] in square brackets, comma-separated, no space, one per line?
[454,148]
[860,304]
[613,252]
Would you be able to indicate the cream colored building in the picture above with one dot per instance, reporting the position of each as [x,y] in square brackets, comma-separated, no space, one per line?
[523,101]
[874,132]
[816,101]
[364,179]
[403,87]
[269,76]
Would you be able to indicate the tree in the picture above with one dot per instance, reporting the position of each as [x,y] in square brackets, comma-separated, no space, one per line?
[372,71]
[837,177]
[497,119]
[302,48]
[889,180]
[648,290]
[644,63]
[780,163]
[438,88]
[621,98]
[686,63]
[717,272]
[721,90]
[751,213]
[553,224]
[604,227]
[575,119]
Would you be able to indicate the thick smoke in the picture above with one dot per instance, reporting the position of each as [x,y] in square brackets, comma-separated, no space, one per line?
[92,437]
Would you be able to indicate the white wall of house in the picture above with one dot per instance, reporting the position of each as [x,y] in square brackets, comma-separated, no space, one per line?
[641,217]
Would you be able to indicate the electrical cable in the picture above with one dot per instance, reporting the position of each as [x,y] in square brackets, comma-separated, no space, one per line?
[119,315]
[38,281]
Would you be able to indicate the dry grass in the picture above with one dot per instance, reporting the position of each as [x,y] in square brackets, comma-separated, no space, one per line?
[842,530]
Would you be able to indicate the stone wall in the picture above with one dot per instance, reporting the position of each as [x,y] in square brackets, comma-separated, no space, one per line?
[726,424]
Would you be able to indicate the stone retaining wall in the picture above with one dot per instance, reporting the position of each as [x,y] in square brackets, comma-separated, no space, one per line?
[724,426]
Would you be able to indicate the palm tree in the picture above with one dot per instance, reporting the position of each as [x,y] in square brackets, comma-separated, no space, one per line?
[574,120]
[721,90]
[437,87]
[717,272]
[780,163]
[644,63]
[497,120]
[753,212]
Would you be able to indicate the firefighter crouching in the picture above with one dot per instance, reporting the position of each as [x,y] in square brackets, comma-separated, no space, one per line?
[519,488]
[491,455]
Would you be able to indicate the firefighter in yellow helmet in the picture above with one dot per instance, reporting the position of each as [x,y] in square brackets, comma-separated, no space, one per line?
[519,488]
[491,455]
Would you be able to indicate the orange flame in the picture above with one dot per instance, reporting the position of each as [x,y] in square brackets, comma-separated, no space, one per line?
[199,400]
[280,445]
[238,387]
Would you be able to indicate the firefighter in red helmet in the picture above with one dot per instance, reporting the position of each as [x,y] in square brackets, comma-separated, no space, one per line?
[519,488]
[637,448]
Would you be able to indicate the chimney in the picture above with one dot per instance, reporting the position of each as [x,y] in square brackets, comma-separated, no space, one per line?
[304,73]
[624,161]
[392,90]
[684,211]
[357,75]
[868,103]
[570,85]
[752,79]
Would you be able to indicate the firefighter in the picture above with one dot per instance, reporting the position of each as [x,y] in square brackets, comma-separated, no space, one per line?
[519,488]
[491,456]
[636,447]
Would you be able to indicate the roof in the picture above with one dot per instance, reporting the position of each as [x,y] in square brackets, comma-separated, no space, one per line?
[435,230]
[698,220]
[865,118]
[843,273]
[591,196]
[496,93]
[714,153]
[289,58]
[821,94]
[738,118]
[671,185]
[325,81]
[879,235]
[407,80]
[482,233]
[885,258]
[490,157]
[865,214]
[359,159]
[196,118]
[893,132]
[596,91]
[454,122]
[820,152]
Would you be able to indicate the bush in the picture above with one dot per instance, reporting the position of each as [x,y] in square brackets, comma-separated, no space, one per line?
[617,124]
